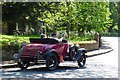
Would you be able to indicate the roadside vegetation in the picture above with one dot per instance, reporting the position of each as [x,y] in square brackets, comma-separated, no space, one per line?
[113,33]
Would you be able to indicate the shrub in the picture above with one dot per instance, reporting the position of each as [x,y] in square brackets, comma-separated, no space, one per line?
[83,37]
[113,33]
[9,48]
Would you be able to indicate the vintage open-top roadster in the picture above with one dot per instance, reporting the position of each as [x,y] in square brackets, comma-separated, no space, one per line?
[50,52]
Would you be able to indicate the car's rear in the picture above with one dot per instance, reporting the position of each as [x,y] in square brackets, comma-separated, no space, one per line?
[35,52]
[32,50]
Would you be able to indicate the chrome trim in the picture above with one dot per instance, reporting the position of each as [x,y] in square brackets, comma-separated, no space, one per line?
[41,61]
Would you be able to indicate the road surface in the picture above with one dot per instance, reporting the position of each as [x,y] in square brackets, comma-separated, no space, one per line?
[102,66]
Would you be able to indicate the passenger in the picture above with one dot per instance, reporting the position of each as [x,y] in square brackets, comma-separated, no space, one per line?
[42,36]
[54,37]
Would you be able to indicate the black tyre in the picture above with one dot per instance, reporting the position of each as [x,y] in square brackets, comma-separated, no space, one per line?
[73,51]
[23,64]
[51,62]
[82,60]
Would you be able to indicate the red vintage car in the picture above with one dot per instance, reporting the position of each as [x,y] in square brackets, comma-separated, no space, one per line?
[50,52]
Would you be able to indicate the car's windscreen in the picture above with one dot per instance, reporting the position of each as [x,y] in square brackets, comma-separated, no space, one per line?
[44,41]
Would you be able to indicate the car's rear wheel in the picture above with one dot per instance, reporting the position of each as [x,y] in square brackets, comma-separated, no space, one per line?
[51,62]
[23,64]
[82,60]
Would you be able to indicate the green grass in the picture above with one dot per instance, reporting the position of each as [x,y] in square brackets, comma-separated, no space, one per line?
[13,38]
[21,38]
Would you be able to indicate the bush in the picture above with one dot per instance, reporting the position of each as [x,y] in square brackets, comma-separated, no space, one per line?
[83,37]
[9,48]
[12,43]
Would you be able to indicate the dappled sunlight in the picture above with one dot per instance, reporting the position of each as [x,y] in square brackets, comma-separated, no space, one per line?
[63,71]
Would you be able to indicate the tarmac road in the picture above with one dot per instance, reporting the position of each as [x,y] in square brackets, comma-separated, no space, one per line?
[102,66]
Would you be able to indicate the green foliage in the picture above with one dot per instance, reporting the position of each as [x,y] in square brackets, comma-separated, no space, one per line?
[82,17]
[20,38]
[11,44]
[9,48]
[84,37]
[113,33]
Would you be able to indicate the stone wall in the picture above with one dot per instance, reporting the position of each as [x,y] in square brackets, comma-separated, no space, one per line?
[88,45]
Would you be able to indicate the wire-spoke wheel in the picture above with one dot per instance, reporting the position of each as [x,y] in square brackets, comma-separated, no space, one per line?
[82,60]
[23,64]
[73,53]
[52,62]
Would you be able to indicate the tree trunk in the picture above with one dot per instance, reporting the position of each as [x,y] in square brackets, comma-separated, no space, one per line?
[79,31]
[68,30]
[11,27]
[68,3]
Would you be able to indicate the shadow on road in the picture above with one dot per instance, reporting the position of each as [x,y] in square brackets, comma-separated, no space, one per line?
[43,69]
[105,47]
[41,72]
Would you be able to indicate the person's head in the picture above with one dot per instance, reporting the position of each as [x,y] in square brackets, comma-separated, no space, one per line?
[54,35]
[42,36]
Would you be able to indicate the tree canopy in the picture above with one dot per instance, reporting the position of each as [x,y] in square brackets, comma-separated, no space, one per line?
[80,17]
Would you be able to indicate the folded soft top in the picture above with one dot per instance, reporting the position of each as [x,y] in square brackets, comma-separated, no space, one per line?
[44,41]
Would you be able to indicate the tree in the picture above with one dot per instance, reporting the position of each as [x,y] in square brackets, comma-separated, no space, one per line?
[9,16]
[114,14]
[26,14]
[80,17]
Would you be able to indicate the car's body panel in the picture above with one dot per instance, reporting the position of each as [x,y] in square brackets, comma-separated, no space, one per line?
[62,49]
[31,50]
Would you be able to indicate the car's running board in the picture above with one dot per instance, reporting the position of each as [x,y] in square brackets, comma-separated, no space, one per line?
[66,58]
[41,61]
